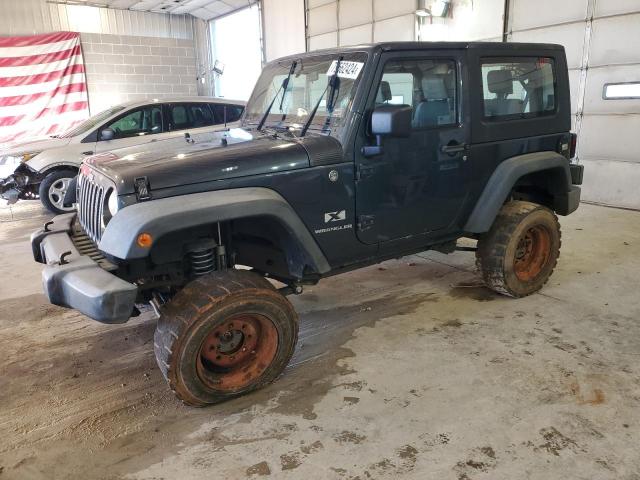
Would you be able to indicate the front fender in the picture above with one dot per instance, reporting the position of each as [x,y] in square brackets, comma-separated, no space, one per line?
[67,156]
[166,215]
[503,179]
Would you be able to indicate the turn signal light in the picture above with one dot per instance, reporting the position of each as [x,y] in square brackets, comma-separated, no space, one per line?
[145,240]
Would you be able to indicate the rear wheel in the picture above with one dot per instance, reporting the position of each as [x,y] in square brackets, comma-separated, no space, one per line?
[224,335]
[519,253]
[53,189]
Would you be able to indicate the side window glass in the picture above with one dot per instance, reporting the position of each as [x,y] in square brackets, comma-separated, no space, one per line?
[139,122]
[427,85]
[518,87]
[179,117]
[234,112]
[218,113]
[201,115]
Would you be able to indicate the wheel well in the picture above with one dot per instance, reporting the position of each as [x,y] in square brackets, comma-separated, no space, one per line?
[265,244]
[262,243]
[540,187]
[57,168]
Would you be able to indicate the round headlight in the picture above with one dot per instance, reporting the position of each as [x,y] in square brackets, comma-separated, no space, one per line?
[112,203]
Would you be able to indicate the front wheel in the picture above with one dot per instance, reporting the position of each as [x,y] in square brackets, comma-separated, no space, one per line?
[53,189]
[224,335]
[518,255]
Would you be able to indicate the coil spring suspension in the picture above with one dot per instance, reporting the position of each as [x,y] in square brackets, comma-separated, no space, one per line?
[203,261]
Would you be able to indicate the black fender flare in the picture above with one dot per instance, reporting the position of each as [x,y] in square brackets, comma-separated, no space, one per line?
[505,177]
[165,215]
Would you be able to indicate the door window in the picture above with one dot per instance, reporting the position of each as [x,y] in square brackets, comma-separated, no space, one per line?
[226,113]
[234,112]
[427,85]
[518,87]
[137,123]
[190,115]
[201,115]
[179,117]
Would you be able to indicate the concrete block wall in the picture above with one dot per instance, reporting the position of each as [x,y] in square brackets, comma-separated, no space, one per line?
[123,68]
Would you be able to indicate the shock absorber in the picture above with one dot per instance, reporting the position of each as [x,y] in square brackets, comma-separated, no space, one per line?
[202,258]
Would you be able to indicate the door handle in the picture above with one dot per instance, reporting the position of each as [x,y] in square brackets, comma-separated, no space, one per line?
[90,152]
[454,148]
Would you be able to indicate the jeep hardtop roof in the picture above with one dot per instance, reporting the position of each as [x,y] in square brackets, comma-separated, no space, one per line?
[409,46]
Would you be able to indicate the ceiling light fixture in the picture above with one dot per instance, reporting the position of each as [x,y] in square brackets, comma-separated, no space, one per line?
[422,10]
[440,8]
[436,8]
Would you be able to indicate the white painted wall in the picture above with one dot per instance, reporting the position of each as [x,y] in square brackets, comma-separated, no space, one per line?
[602,41]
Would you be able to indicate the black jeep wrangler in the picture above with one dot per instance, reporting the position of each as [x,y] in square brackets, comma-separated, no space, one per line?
[345,158]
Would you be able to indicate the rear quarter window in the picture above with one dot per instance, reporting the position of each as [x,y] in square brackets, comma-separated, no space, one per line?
[518,87]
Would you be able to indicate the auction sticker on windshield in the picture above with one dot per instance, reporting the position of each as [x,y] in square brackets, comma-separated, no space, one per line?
[347,69]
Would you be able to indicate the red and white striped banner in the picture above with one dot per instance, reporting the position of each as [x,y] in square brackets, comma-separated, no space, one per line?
[43,89]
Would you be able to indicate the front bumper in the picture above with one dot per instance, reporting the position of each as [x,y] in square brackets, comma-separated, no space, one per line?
[9,190]
[76,281]
[22,184]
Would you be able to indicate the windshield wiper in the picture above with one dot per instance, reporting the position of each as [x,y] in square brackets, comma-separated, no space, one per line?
[284,85]
[332,85]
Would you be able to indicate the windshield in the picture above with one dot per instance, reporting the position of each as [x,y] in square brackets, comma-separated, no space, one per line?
[92,122]
[306,86]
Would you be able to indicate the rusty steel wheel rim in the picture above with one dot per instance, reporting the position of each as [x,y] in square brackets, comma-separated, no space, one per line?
[532,253]
[237,352]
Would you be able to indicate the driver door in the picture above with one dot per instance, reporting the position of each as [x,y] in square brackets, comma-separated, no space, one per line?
[418,184]
[135,127]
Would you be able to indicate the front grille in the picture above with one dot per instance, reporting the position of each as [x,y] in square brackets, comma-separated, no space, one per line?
[86,246]
[90,206]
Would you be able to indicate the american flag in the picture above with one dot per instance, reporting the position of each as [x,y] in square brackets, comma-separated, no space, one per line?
[42,86]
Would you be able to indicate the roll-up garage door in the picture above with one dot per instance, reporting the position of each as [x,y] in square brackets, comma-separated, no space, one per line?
[602,40]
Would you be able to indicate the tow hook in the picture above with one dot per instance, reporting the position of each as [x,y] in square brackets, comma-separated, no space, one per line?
[63,258]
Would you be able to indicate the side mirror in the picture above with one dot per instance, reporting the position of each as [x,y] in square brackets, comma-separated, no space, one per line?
[392,120]
[107,134]
[389,121]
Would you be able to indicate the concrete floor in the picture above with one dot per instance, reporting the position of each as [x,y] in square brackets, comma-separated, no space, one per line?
[403,370]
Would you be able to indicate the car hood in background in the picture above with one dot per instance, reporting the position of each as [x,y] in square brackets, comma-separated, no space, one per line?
[213,156]
[35,145]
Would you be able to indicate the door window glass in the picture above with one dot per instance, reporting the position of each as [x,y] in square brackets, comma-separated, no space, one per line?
[427,85]
[226,113]
[139,122]
[179,117]
[201,115]
[234,112]
[518,87]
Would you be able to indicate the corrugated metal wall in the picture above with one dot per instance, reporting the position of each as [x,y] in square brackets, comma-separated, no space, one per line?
[283,27]
[349,22]
[30,17]
[602,41]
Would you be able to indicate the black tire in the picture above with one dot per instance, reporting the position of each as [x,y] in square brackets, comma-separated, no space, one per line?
[203,334]
[51,193]
[518,255]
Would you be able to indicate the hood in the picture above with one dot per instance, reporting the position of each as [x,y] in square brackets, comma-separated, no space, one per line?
[212,156]
[35,145]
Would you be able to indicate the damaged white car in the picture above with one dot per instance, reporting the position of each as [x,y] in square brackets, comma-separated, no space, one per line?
[44,168]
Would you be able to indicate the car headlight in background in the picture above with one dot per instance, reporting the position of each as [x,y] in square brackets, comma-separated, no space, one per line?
[17,159]
[112,203]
